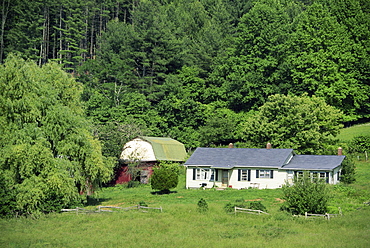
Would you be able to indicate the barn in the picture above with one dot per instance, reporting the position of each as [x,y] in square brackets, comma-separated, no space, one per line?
[140,154]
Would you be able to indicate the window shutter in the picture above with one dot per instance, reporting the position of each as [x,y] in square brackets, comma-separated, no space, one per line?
[257,173]
[216,176]
[194,173]
[239,175]
[327,177]
[271,174]
[249,175]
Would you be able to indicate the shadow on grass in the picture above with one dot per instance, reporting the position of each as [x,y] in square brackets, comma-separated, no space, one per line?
[163,192]
[91,201]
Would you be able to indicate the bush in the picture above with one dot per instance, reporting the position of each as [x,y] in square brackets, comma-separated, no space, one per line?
[348,171]
[360,144]
[306,194]
[202,205]
[240,203]
[165,177]
[257,205]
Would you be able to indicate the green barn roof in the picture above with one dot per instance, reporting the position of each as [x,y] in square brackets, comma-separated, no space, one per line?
[166,148]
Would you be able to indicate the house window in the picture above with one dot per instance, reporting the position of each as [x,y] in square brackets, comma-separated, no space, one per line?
[203,174]
[298,174]
[314,175]
[264,174]
[244,175]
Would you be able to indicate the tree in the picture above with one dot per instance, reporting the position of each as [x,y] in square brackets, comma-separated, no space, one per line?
[348,173]
[250,71]
[324,60]
[165,177]
[306,194]
[48,157]
[306,124]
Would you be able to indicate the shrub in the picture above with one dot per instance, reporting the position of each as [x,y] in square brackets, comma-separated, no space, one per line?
[348,171]
[306,194]
[202,205]
[257,205]
[240,203]
[165,177]
[359,144]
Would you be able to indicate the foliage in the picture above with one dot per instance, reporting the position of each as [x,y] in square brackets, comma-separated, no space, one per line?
[192,69]
[143,204]
[257,205]
[48,155]
[360,144]
[165,176]
[306,194]
[202,205]
[348,173]
[321,61]
[306,124]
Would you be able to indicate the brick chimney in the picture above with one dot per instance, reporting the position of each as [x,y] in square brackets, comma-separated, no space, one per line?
[231,145]
[268,145]
[340,151]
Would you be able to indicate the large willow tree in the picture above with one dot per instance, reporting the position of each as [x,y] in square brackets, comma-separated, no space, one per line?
[48,157]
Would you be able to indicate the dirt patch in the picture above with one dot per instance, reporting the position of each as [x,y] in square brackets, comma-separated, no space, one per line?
[258,199]
[279,200]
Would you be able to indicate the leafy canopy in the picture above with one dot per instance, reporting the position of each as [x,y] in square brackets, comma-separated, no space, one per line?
[306,124]
[47,154]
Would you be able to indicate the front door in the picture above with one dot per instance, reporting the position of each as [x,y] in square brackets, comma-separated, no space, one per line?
[225,178]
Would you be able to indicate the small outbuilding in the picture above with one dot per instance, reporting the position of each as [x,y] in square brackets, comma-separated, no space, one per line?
[142,153]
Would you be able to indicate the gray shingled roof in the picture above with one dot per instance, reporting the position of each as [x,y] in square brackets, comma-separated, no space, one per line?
[239,157]
[314,162]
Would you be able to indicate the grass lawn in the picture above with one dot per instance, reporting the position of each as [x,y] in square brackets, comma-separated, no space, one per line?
[181,225]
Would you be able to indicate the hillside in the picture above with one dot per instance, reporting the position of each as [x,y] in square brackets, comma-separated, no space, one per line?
[347,134]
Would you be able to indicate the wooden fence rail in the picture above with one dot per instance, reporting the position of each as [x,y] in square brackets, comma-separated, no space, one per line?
[248,211]
[104,209]
[326,215]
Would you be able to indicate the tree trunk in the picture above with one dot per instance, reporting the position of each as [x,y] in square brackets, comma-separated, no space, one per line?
[4,15]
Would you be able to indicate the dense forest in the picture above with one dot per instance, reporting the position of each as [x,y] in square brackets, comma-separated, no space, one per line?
[196,70]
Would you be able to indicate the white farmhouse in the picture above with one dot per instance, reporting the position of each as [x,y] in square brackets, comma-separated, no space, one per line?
[242,168]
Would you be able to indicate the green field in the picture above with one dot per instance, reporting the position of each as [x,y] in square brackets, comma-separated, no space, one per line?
[346,134]
[181,225]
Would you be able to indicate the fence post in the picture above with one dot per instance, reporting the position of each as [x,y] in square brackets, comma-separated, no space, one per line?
[305,214]
[340,211]
[366,155]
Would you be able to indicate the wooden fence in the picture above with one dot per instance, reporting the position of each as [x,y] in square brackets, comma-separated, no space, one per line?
[105,209]
[248,211]
[326,215]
